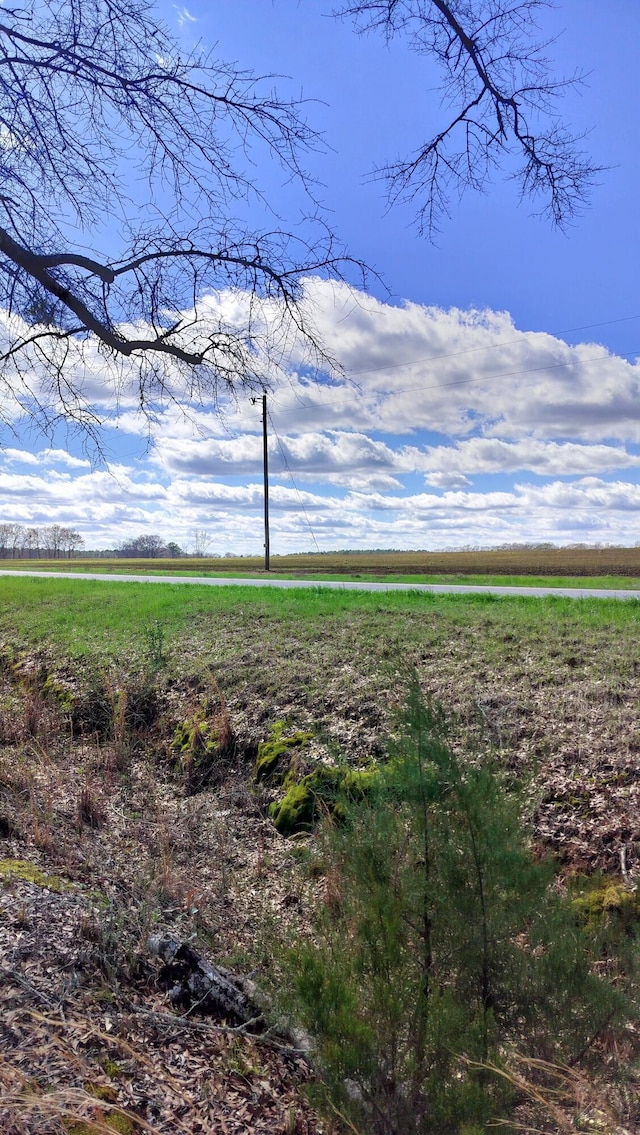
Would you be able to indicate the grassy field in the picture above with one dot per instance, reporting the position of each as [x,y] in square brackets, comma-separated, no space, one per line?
[552,682]
[95,680]
[80,617]
[595,567]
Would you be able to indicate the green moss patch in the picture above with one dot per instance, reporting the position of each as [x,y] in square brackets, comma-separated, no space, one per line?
[102,1092]
[22,869]
[110,1117]
[274,754]
[202,744]
[113,1120]
[60,693]
[322,792]
[112,1069]
[194,736]
[605,900]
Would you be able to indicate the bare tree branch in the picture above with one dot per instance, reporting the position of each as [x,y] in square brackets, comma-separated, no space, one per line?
[502,100]
[111,284]
[88,89]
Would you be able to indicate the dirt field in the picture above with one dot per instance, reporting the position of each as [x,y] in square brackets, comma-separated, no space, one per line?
[549,562]
[552,561]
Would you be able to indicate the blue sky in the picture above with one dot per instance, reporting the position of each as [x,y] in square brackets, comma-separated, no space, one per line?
[491,392]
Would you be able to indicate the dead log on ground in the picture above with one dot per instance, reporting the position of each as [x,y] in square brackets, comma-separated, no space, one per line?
[194,984]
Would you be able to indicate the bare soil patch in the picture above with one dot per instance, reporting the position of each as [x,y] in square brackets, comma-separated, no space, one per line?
[522,561]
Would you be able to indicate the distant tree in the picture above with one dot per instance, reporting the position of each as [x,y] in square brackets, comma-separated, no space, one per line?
[11,539]
[5,530]
[71,541]
[152,545]
[52,539]
[31,542]
[8,537]
[148,547]
[201,541]
[174,550]
[107,127]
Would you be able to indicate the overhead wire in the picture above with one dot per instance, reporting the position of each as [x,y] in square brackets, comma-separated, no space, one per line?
[475,350]
[288,468]
[495,346]
[458,381]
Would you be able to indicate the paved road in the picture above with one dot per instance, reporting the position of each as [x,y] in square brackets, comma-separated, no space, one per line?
[434,588]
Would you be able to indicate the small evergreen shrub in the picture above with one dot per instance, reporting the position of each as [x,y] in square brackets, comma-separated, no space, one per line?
[441,946]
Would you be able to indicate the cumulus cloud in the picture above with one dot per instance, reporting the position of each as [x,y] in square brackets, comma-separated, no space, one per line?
[405,368]
[549,459]
[215,457]
[45,457]
[458,372]
[447,480]
[384,453]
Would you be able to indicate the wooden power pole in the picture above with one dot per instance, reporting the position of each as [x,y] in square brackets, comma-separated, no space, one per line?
[265,454]
[265,472]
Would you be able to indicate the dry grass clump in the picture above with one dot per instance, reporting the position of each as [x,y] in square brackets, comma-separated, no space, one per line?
[90,809]
[569,1098]
[147,1071]
[72,1110]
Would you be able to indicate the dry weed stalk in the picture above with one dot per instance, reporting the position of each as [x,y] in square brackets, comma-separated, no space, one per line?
[89,808]
[169,882]
[222,722]
[44,838]
[220,831]
[120,751]
[563,1093]
[35,709]
[41,815]
[66,1106]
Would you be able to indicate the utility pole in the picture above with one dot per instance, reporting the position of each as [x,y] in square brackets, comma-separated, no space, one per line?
[266,482]
[265,471]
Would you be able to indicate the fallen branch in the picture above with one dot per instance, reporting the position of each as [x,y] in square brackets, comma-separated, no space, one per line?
[193,983]
[176,1022]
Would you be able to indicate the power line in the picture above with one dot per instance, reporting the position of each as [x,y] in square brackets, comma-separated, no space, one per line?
[494,346]
[459,381]
[300,501]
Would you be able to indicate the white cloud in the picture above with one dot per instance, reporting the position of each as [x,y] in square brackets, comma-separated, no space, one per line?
[11,456]
[491,455]
[458,372]
[420,406]
[215,457]
[184,16]
[46,457]
[409,367]
[447,480]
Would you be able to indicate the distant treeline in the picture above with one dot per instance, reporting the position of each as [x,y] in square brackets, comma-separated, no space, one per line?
[54,542]
[51,542]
